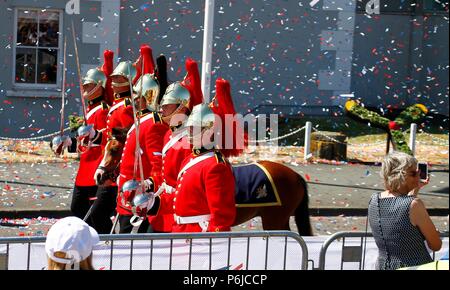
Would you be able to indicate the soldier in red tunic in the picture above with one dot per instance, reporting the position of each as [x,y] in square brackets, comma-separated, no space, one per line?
[204,195]
[120,115]
[176,105]
[89,140]
[151,135]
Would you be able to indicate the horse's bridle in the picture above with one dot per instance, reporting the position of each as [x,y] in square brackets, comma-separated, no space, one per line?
[114,173]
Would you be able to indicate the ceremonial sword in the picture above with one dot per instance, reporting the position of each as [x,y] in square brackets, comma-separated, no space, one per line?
[59,140]
[83,104]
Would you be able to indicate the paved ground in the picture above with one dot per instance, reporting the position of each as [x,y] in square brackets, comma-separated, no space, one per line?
[321,225]
[338,195]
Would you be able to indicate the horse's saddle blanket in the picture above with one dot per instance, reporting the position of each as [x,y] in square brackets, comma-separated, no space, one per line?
[254,186]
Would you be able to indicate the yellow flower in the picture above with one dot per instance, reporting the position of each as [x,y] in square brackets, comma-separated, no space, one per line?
[349,105]
[422,108]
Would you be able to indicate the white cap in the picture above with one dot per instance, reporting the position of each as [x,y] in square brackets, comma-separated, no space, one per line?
[72,236]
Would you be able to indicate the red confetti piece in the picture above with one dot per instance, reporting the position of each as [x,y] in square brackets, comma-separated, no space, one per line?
[308,178]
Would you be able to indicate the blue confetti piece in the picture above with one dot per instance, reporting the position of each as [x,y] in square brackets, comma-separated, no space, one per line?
[145,6]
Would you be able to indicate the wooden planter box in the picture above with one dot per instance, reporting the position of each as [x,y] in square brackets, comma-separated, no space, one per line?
[329,145]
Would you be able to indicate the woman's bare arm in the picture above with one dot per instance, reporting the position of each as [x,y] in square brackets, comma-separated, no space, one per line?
[419,217]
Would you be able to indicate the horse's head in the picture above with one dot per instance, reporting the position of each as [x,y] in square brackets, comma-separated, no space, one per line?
[108,169]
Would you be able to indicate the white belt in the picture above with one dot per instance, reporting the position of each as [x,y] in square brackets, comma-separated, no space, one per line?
[191,219]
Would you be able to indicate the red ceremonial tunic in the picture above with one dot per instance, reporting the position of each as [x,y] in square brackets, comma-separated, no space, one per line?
[90,160]
[176,149]
[206,188]
[151,136]
[120,115]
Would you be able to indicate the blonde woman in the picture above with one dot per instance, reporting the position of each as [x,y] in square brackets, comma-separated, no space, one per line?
[69,245]
[398,218]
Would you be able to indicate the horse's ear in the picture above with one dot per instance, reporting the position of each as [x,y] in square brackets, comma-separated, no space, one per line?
[119,133]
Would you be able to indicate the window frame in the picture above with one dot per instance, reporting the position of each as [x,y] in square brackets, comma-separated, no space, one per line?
[59,60]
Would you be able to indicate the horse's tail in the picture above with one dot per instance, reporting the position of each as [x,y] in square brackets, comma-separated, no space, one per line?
[302,212]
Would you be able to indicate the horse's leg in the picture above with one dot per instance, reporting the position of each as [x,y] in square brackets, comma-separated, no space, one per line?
[244,214]
[302,211]
[270,223]
[291,189]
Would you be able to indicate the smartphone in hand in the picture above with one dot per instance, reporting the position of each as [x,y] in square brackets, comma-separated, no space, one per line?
[423,171]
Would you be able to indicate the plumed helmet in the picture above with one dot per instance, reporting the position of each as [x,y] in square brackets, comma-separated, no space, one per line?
[95,76]
[176,94]
[188,92]
[125,69]
[201,116]
[98,78]
[148,88]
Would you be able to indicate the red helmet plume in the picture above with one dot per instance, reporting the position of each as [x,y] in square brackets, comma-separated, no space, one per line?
[108,68]
[193,83]
[146,58]
[225,107]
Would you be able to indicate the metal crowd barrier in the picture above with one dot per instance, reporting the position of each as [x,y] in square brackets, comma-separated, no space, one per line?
[111,240]
[353,253]
[353,248]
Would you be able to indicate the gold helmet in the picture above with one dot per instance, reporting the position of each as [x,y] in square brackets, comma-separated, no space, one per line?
[97,77]
[150,90]
[123,69]
[176,94]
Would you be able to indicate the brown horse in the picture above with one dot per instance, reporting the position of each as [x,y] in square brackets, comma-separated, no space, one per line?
[291,188]
[110,164]
[293,201]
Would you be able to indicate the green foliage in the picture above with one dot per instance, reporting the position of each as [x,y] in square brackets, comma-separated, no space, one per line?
[75,122]
[398,139]
[373,118]
[412,114]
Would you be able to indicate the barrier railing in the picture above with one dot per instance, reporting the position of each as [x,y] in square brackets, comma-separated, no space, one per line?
[281,250]
[278,250]
[356,252]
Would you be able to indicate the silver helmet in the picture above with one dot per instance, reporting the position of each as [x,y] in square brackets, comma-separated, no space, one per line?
[148,88]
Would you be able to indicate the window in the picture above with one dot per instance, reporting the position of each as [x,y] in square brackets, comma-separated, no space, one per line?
[37,47]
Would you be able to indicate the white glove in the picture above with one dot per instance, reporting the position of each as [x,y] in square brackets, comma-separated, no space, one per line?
[148,185]
[60,143]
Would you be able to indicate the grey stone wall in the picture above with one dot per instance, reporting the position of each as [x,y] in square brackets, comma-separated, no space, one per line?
[281,56]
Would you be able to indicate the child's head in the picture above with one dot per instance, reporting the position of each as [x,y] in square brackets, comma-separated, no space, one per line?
[69,243]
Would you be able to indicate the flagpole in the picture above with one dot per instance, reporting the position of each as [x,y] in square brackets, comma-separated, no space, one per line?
[207,48]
